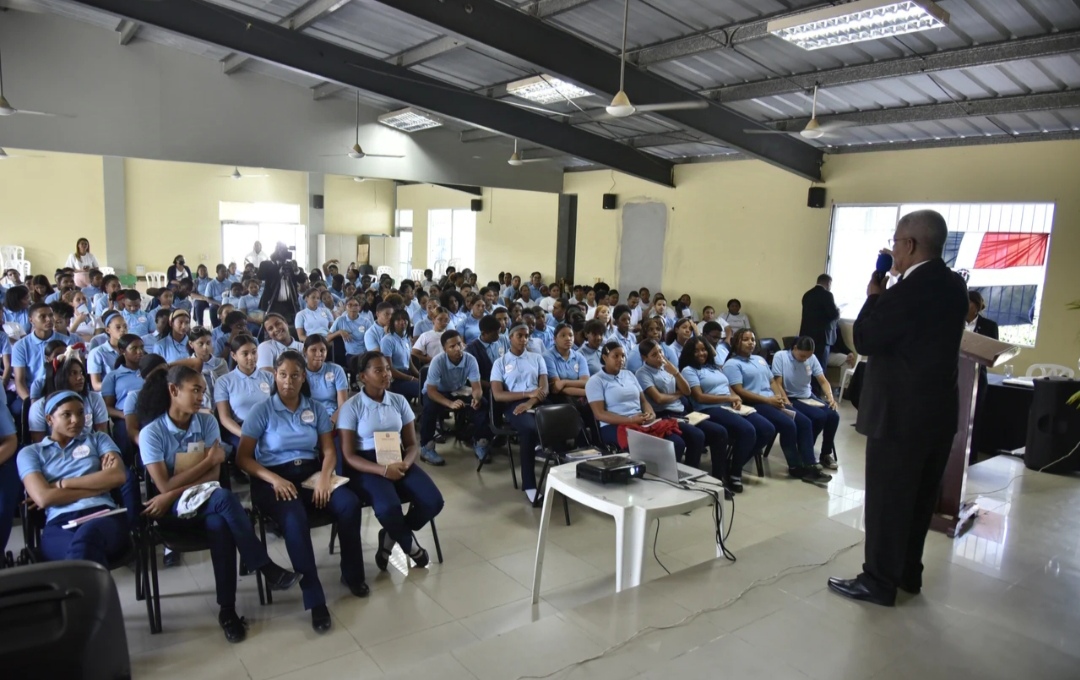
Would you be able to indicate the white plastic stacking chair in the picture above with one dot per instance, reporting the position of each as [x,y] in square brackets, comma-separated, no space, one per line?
[21,266]
[8,253]
[155,279]
[439,268]
[106,271]
[1050,371]
[417,275]
[389,271]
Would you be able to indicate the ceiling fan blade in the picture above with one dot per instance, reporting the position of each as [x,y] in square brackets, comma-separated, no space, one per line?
[537,108]
[771,132]
[673,106]
[535,160]
[251,176]
[832,125]
[381,155]
[44,113]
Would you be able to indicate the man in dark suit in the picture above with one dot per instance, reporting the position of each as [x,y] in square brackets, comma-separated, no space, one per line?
[977,323]
[909,406]
[819,317]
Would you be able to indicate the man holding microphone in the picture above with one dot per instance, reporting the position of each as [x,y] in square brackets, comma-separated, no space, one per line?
[909,404]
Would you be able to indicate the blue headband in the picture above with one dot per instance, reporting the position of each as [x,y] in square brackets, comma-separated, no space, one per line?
[57,398]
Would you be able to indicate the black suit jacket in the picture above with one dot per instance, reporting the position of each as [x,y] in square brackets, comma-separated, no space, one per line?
[476,348]
[819,316]
[984,326]
[911,334]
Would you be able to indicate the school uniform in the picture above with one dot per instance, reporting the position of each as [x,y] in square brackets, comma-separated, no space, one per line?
[521,373]
[21,318]
[796,435]
[365,416]
[470,328]
[447,378]
[592,357]
[398,348]
[99,304]
[93,406]
[269,350]
[797,376]
[216,290]
[97,540]
[211,371]
[248,304]
[546,338]
[373,337]
[422,325]
[315,321]
[29,353]
[356,328]
[138,322]
[228,528]
[119,382]
[534,292]
[634,360]
[628,341]
[572,367]
[184,303]
[325,385]
[414,309]
[696,436]
[430,343]
[170,349]
[90,292]
[11,490]
[243,392]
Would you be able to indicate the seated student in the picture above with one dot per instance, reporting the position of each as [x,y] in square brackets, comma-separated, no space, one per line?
[792,370]
[708,313]
[659,310]
[182,296]
[429,345]
[651,329]
[16,321]
[96,279]
[395,345]
[138,321]
[161,328]
[70,474]
[455,304]
[105,300]
[82,321]
[428,281]
[710,393]
[684,308]
[633,301]
[680,334]
[314,318]
[470,329]
[519,382]
[63,313]
[200,343]
[216,290]
[199,303]
[173,345]
[425,322]
[734,317]
[536,342]
[543,331]
[101,360]
[375,409]
[239,390]
[249,303]
[751,379]
[488,348]
[278,340]
[232,324]
[234,294]
[326,381]
[554,293]
[11,491]
[452,371]
[374,335]
[715,335]
[567,369]
[28,354]
[168,408]
[163,299]
[69,374]
[351,327]
[619,330]
[283,440]
[55,351]
[592,348]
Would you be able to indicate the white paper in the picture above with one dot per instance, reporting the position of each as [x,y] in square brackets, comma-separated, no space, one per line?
[387,447]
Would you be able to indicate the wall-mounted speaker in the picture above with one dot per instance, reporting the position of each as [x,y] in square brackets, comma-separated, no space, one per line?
[476,205]
[610,201]
[815,198]
[317,201]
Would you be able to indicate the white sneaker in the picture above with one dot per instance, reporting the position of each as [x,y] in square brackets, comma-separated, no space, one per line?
[531,495]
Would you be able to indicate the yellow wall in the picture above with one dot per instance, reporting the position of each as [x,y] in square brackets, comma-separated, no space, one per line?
[741,229]
[50,201]
[514,232]
[352,207]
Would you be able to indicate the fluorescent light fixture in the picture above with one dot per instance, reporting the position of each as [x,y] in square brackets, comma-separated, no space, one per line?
[546,90]
[410,120]
[858,21]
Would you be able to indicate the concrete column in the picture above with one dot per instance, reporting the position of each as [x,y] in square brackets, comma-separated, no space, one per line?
[115,199]
[316,219]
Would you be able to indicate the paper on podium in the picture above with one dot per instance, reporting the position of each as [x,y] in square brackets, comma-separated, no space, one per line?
[986,351]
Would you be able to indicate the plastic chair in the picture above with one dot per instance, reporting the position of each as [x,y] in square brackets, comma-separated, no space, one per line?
[1050,371]
[557,428]
[499,428]
[847,375]
[439,268]
[8,253]
[105,271]
[62,620]
[155,279]
[19,265]
[767,347]
[389,271]
[417,275]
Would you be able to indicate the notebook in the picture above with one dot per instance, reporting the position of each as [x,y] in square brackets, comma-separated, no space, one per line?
[696,417]
[810,402]
[744,411]
[387,447]
[336,480]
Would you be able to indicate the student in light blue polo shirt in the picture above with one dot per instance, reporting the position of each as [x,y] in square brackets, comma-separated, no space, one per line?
[470,328]
[169,404]
[314,318]
[17,301]
[351,327]
[28,354]
[651,329]
[519,382]
[427,322]
[11,491]
[568,371]
[249,303]
[452,372]
[327,382]
[374,335]
[70,375]
[680,334]
[620,333]
[239,390]
[278,340]
[751,379]
[138,320]
[125,374]
[218,286]
[101,360]
[375,409]
[173,345]
[395,345]
[592,348]
[71,475]
[283,439]
[793,370]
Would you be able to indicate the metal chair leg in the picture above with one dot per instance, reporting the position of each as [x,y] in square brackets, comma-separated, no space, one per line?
[154,599]
[435,537]
[566,509]
[333,536]
[263,592]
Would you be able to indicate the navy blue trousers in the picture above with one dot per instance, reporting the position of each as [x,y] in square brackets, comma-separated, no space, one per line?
[416,488]
[747,434]
[96,540]
[525,426]
[292,518]
[432,411]
[824,420]
[796,436]
[11,494]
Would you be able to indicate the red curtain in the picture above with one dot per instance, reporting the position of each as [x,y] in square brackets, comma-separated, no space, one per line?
[1002,251]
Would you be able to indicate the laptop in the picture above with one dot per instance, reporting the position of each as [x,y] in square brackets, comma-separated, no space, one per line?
[659,457]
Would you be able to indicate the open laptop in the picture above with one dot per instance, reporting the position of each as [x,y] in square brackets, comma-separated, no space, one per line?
[659,457]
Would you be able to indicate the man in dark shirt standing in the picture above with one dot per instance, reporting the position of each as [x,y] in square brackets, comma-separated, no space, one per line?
[819,317]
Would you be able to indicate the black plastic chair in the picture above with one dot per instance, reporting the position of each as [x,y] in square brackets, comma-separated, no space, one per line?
[789,341]
[500,428]
[767,347]
[316,518]
[557,428]
[364,503]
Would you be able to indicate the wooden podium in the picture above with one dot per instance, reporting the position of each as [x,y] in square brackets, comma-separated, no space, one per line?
[953,516]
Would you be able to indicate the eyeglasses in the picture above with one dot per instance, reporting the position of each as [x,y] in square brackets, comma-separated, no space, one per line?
[894,241]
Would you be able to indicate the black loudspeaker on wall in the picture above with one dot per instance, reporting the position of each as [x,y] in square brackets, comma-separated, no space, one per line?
[476,205]
[1053,426]
[815,198]
[610,201]
[317,201]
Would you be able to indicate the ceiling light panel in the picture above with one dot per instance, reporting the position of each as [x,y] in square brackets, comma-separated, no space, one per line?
[858,21]
[410,120]
[546,90]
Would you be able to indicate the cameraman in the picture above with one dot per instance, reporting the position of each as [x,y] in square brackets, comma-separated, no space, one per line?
[280,273]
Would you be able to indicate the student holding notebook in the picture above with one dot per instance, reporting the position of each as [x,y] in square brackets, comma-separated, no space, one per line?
[793,370]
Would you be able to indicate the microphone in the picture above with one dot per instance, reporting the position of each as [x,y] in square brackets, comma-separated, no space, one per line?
[884,263]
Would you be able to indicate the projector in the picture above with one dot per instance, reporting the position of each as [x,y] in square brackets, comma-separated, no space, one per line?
[610,470]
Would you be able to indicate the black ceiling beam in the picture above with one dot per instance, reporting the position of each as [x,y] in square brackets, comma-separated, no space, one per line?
[293,49]
[557,52]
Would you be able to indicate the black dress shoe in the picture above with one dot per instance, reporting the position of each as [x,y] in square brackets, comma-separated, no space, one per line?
[911,588]
[278,578]
[320,619]
[235,627]
[360,590]
[854,589]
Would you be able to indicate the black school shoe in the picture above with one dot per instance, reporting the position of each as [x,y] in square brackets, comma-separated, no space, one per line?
[235,626]
[360,590]
[735,484]
[320,619]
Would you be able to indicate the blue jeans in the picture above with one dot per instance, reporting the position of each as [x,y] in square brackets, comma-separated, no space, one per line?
[824,421]
[747,434]
[429,417]
[525,426]
[609,434]
[416,487]
[96,540]
[292,518]
[228,530]
[796,436]
[11,494]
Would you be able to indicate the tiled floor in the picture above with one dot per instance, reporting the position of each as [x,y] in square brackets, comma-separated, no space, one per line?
[1002,602]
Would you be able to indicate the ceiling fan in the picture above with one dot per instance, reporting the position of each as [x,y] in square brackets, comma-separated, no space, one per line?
[516,159]
[4,155]
[236,175]
[355,151]
[6,109]
[813,129]
[620,106]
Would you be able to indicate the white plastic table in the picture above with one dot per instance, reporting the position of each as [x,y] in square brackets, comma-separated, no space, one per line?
[633,506]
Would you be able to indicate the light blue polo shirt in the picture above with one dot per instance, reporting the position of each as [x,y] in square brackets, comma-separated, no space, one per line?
[269,350]
[593,358]
[398,348]
[470,328]
[243,392]
[326,383]
[356,328]
[634,361]
[21,317]
[752,373]
[119,382]
[711,379]
[216,289]
[573,367]
[29,353]
[248,304]
[796,374]
[315,321]
[131,401]
[93,407]
[82,456]
[422,326]
[161,440]
[365,417]
[664,382]
[723,351]
[283,435]
[448,377]
[200,285]
[628,341]
[621,393]
[496,350]
[7,423]
[546,338]
[170,350]
[373,337]
[139,323]
[519,373]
